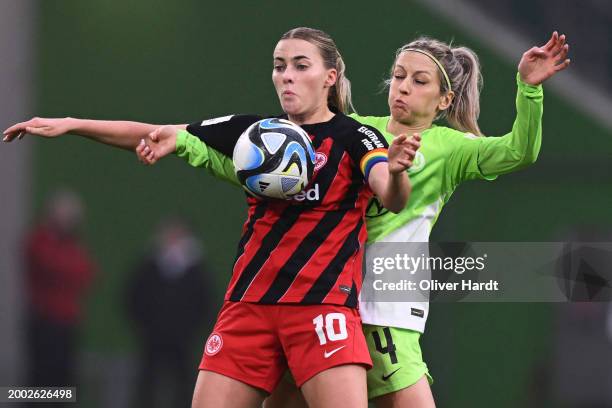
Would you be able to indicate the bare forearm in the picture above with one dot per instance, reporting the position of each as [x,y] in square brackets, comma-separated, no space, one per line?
[396,192]
[123,134]
[393,189]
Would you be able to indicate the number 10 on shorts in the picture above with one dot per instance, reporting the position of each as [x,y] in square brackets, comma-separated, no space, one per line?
[330,332]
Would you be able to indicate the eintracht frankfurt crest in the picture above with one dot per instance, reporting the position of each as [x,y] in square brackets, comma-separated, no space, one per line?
[213,344]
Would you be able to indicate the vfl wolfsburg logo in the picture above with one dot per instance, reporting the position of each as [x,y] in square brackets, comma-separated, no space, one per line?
[375,208]
[418,163]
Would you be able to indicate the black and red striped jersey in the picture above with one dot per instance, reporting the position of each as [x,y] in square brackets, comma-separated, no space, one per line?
[308,249]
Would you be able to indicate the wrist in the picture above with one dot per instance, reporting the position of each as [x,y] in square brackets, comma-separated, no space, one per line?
[397,178]
[180,142]
[396,173]
[72,124]
[527,88]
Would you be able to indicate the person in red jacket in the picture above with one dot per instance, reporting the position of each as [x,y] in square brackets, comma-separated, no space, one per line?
[59,271]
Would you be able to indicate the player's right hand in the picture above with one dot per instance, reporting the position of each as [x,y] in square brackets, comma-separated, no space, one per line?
[540,63]
[160,143]
[402,152]
[46,127]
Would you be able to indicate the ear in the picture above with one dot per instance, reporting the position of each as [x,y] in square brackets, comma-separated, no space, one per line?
[446,101]
[332,76]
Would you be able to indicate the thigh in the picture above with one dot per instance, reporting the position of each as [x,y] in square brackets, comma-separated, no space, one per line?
[398,362]
[337,387]
[214,390]
[418,395]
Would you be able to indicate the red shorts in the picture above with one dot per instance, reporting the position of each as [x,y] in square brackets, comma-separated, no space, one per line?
[255,343]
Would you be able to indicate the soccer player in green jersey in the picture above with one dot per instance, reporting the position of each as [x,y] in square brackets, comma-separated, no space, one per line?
[431,80]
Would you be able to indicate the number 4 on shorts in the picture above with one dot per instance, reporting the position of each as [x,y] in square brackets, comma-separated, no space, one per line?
[390,347]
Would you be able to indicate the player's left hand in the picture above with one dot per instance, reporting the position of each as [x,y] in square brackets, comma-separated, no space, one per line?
[402,151]
[540,63]
[160,143]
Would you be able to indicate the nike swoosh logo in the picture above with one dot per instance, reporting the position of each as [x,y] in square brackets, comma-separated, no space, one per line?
[386,377]
[328,354]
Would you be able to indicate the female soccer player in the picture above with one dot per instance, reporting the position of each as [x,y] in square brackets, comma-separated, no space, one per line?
[293,294]
[432,80]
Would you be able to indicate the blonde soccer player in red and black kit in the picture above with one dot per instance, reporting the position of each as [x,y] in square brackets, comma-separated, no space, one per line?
[292,298]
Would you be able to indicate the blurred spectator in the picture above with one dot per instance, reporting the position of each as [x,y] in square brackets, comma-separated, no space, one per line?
[169,303]
[58,272]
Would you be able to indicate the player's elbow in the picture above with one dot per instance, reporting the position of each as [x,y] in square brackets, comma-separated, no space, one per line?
[525,160]
[518,159]
[531,157]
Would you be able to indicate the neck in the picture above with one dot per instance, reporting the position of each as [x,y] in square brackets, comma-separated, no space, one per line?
[322,114]
[398,128]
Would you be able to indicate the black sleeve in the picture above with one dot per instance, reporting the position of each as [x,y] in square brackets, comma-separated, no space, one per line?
[222,133]
[366,146]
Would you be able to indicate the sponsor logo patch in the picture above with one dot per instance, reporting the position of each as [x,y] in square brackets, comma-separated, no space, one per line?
[312,194]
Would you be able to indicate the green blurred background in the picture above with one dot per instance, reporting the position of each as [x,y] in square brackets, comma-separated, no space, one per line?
[182,61]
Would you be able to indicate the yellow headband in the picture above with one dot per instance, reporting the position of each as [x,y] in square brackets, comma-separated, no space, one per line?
[435,60]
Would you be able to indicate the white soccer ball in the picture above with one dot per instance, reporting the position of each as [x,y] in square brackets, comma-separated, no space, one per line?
[274,158]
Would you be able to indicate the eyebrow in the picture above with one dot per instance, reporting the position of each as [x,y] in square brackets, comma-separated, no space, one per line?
[415,72]
[296,58]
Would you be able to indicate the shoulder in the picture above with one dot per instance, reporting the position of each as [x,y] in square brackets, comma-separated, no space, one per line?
[450,135]
[227,120]
[222,133]
[351,131]
[379,122]
[451,143]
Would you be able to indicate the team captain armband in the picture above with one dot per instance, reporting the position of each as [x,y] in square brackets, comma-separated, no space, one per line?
[370,159]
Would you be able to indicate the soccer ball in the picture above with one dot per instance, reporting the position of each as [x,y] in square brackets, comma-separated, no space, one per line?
[274,158]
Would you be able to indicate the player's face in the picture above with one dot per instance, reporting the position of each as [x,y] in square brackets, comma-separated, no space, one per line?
[414,93]
[301,80]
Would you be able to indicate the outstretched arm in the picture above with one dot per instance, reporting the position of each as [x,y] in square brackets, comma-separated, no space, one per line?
[122,134]
[520,147]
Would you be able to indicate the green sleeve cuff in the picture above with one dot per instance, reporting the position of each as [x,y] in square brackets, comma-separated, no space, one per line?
[181,141]
[530,91]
